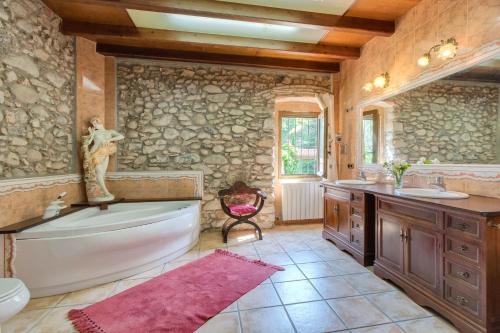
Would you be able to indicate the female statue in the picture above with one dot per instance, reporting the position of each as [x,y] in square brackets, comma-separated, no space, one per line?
[97,146]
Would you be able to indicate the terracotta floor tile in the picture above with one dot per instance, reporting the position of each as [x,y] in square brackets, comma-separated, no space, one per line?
[316,270]
[265,320]
[368,283]
[291,273]
[432,324]
[314,317]
[385,328]
[56,321]
[24,321]
[296,292]
[90,295]
[397,306]
[222,323]
[44,302]
[277,259]
[357,312]
[303,257]
[263,295]
[333,287]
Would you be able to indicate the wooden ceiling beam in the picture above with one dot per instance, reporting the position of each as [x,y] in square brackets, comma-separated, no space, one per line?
[108,34]
[255,13]
[214,58]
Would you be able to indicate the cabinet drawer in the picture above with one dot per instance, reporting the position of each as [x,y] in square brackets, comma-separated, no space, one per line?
[357,211]
[337,193]
[460,272]
[468,226]
[357,222]
[357,197]
[420,213]
[468,303]
[357,238]
[463,249]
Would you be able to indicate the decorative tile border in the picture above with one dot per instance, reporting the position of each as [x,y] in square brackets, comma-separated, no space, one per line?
[196,176]
[28,184]
[478,172]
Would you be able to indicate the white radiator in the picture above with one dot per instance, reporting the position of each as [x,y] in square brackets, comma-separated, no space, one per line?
[301,201]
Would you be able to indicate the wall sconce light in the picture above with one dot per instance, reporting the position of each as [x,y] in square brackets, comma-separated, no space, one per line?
[445,50]
[381,81]
[368,87]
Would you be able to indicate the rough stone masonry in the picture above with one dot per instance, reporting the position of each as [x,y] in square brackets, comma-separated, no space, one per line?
[36,92]
[453,121]
[218,119]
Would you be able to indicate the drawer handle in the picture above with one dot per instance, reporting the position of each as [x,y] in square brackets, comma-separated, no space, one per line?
[463,226]
[336,208]
[464,248]
[465,275]
[462,300]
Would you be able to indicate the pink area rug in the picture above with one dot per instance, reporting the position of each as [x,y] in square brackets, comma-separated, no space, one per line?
[178,301]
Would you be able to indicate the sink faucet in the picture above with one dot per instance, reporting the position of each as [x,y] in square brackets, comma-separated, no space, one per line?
[55,207]
[362,175]
[439,184]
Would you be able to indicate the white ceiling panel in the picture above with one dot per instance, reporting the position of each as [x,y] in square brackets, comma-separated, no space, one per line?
[187,23]
[335,7]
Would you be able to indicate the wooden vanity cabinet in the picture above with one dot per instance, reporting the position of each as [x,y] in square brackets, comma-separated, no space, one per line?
[349,222]
[443,258]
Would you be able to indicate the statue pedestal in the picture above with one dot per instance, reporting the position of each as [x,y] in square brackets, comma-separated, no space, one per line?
[103,205]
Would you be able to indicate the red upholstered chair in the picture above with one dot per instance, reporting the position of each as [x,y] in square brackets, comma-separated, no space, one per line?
[241,203]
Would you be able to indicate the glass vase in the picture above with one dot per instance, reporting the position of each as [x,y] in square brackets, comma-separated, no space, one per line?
[398,181]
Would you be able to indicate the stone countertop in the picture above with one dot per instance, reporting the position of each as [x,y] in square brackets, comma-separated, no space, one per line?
[485,206]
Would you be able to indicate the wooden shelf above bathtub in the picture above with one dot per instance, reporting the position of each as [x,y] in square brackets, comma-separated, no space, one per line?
[33,222]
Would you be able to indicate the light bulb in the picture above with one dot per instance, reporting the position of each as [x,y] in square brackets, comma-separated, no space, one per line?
[447,50]
[381,81]
[368,87]
[424,60]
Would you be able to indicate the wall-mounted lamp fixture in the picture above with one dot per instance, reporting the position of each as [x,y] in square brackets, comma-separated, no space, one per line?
[445,50]
[381,81]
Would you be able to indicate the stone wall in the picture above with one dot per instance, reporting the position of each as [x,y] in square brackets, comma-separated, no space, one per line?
[452,121]
[218,119]
[36,91]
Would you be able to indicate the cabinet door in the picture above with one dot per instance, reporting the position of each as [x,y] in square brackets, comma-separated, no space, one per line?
[343,213]
[390,246]
[330,219]
[337,216]
[423,256]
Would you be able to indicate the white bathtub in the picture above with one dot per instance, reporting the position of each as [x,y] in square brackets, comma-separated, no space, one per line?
[91,246]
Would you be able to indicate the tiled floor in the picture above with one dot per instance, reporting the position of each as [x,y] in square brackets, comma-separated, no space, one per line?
[321,290]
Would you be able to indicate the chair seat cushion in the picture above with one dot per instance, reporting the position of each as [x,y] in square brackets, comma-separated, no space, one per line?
[244,209]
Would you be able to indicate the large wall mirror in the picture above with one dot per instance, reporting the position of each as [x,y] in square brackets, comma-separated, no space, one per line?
[453,120]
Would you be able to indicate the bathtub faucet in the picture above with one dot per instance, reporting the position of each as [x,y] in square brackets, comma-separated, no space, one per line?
[55,207]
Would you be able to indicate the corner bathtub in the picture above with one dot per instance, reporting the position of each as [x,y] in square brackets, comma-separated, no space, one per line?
[90,247]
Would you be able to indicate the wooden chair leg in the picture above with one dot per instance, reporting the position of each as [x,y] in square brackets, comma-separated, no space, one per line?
[259,231]
[225,231]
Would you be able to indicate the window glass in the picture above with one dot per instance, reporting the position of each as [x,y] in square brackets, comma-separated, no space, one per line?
[299,145]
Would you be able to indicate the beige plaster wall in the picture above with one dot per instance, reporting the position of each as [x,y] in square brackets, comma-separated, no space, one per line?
[474,23]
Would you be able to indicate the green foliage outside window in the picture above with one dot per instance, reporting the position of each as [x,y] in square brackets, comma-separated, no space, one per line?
[299,148]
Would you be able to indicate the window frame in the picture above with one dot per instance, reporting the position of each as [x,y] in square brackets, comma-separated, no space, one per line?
[376,135]
[298,114]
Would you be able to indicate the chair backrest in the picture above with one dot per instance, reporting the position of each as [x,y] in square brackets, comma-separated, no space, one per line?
[239,188]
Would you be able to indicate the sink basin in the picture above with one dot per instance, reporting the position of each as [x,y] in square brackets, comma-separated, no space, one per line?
[431,193]
[354,182]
